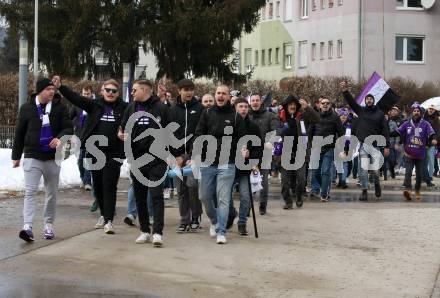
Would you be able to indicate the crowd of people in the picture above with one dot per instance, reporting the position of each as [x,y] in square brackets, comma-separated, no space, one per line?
[223,119]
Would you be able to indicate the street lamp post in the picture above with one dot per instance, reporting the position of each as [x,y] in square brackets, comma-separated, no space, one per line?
[36,43]
[23,71]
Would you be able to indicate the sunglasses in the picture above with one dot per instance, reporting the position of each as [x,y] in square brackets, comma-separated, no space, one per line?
[111,90]
[325,103]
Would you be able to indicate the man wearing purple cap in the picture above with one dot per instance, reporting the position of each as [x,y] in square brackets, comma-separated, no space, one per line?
[417,133]
[42,122]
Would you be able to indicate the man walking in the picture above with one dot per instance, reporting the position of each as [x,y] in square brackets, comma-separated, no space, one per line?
[186,113]
[221,122]
[42,122]
[328,125]
[417,133]
[371,121]
[267,122]
[432,117]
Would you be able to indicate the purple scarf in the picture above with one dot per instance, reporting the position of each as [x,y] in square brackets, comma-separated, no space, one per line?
[46,135]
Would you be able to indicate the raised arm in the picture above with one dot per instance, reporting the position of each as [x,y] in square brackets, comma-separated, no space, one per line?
[349,98]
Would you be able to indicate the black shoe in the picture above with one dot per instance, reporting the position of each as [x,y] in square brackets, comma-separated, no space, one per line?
[262,209]
[182,228]
[242,230]
[377,190]
[195,225]
[288,206]
[299,203]
[364,196]
[325,199]
[231,219]
[430,184]
[130,220]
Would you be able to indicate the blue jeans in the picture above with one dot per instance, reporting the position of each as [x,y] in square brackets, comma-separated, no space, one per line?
[245,198]
[217,181]
[85,175]
[131,204]
[344,167]
[429,163]
[364,157]
[321,177]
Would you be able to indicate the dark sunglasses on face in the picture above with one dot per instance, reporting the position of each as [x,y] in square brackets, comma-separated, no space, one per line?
[111,90]
[325,103]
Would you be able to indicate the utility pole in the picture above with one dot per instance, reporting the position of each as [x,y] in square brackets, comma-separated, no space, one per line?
[36,44]
[23,71]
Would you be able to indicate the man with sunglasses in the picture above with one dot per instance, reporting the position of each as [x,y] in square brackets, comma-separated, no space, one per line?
[104,118]
[328,125]
[371,121]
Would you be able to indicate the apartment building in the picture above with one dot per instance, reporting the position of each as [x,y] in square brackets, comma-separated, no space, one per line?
[348,37]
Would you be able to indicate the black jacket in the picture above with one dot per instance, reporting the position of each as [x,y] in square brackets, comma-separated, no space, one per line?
[213,122]
[329,124]
[75,116]
[27,131]
[266,121]
[371,120]
[255,152]
[95,109]
[435,123]
[162,114]
[187,115]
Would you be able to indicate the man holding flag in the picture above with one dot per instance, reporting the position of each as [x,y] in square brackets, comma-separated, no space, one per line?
[371,121]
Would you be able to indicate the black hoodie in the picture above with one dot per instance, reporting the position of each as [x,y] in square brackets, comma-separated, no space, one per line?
[187,115]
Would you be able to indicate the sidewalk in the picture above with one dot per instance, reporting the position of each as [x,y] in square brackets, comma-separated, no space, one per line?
[340,249]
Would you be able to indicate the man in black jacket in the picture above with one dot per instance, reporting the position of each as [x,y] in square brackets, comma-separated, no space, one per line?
[105,115]
[186,113]
[371,121]
[250,152]
[42,122]
[227,127]
[432,116]
[328,125]
[267,122]
[79,118]
[155,169]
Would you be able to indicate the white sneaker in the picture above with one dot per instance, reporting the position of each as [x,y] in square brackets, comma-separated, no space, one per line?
[100,224]
[157,240]
[108,228]
[143,238]
[212,232]
[221,239]
[166,193]
[88,187]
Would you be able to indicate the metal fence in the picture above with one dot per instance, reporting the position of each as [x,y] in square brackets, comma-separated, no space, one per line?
[7,136]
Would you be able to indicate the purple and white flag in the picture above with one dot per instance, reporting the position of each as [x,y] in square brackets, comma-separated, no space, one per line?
[384,96]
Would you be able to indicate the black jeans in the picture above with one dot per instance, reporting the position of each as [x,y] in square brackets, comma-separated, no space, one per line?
[152,173]
[409,165]
[300,177]
[190,205]
[105,186]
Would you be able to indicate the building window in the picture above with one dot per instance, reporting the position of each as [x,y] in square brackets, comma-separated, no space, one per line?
[340,2]
[277,55]
[263,13]
[287,56]
[277,8]
[304,9]
[314,5]
[410,49]
[263,57]
[288,10]
[302,53]
[330,49]
[340,48]
[321,50]
[270,10]
[256,57]
[313,54]
[409,4]
[322,4]
[330,3]
[247,59]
